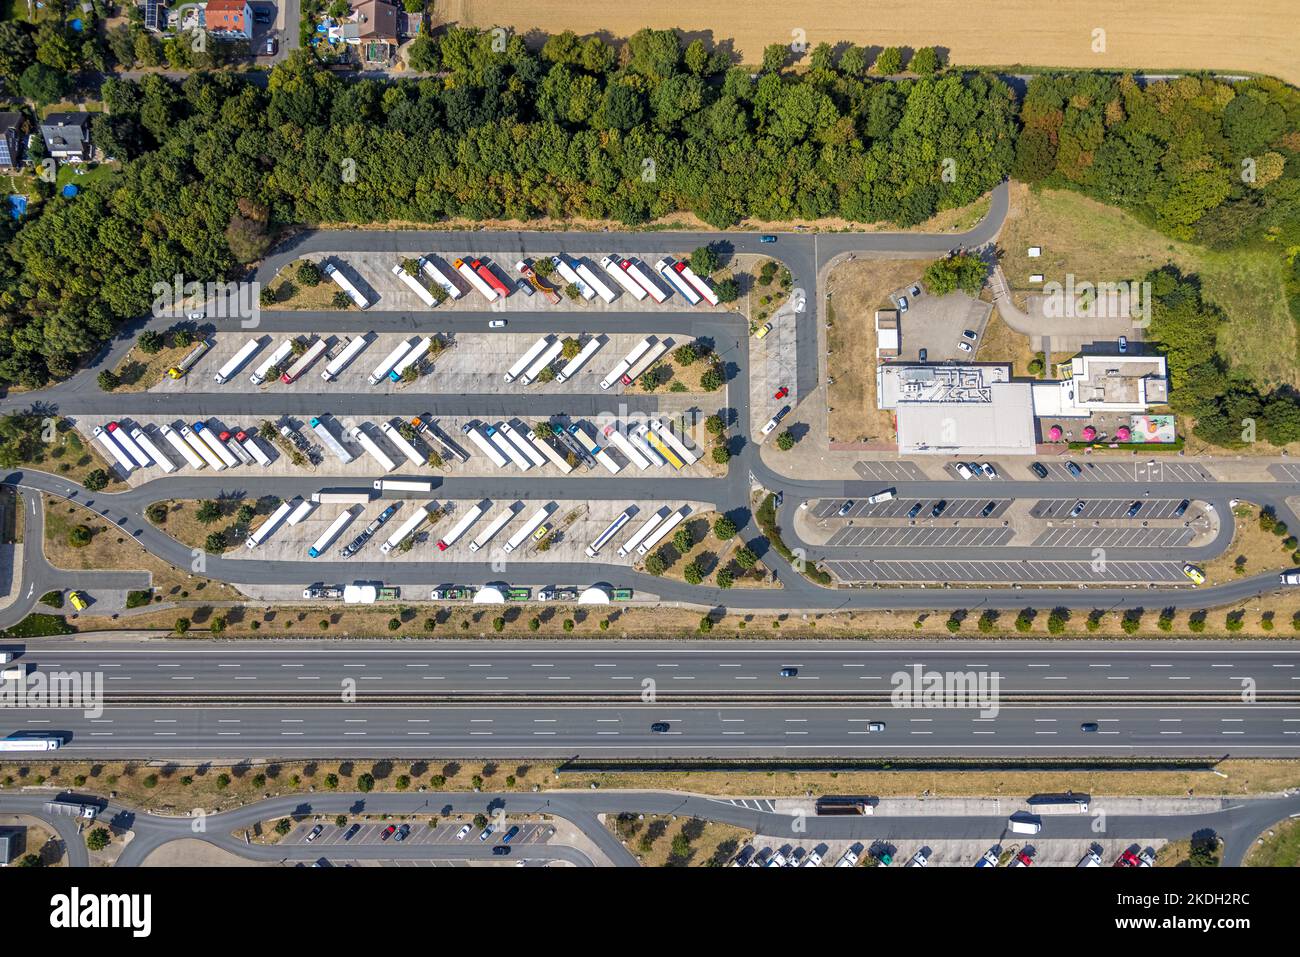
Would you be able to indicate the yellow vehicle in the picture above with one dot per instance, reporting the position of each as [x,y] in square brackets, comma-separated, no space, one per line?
[1195,574]
[542,531]
[78,600]
[767,327]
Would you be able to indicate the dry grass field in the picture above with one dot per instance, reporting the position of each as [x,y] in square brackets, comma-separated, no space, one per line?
[1155,35]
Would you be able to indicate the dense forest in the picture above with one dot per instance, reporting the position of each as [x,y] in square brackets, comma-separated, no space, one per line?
[214,167]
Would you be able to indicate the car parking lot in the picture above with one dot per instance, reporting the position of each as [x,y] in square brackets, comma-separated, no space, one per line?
[919,537]
[1115,537]
[900,507]
[1139,471]
[1009,572]
[1114,508]
[370,833]
[889,471]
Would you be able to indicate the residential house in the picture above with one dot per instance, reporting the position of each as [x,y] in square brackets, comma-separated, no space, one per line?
[67,137]
[13,134]
[228,19]
[373,21]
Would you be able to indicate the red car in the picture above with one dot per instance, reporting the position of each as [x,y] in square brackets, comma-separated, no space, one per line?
[388,832]
[1127,859]
[1024,859]
[782,392]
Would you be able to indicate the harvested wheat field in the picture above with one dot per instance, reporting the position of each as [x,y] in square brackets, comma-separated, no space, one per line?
[1155,35]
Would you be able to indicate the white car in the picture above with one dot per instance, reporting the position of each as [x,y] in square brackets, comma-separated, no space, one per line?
[989,470]
[902,304]
[879,497]
[487,832]
[463,832]
[497,324]
[964,346]
[963,470]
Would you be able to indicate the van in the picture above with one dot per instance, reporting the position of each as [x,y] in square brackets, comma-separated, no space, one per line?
[963,470]
[1021,826]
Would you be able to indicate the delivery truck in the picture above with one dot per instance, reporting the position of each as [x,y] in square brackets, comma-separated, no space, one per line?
[146,443]
[191,358]
[359,436]
[525,530]
[263,531]
[467,520]
[494,526]
[236,362]
[335,529]
[413,283]
[192,458]
[608,534]
[643,279]
[437,272]
[282,352]
[577,362]
[390,360]
[345,356]
[327,439]
[304,361]
[344,283]
[628,284]
[527,359]
[406,529]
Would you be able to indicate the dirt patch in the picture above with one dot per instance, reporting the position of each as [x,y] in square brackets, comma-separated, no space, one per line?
[1253,549]
[660,841]
[858,289]
[191,852]
[1001,343]
[289,294]
[1279,846]
[139,372]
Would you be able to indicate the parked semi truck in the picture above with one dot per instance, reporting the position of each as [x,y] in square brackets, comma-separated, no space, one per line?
[300,511]
[677,281]
[487,448]
[534,522]
[616,272]
[673,441]
[204,451]
[441,276]
[577,362]
[434,435]
[236,362]
[152,450]
[548,450]
[608,534]
[594,282]
[304,361]
[411,358]
[192,458]
[494,526]
[638,438]
[413,283]
[642,365]
[72,807]
[484,268]
[543,360]
[572,278]
[327,439]
[138,455]
[263,369]
[661,447]
[616,374]
[208,436]
[191,357]
[508,447]
[525,268]
[406,529]
[344,283]
[341,497]
[335,529]
[527,359]
[475,280]
[359,436]
[273,520]
[348,353]
[524,445]
[664,527]
[235,447]
[386,365]
[594,449]
[116,452]
[402,445]
[700,285]
[643,279]
[460,528]
[630,451]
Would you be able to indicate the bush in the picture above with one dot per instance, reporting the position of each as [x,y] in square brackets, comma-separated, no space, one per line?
[215,543]
[1196,621]
[721,454]
[655,565]
[692,574]
[98,839]
[987,622]
[889,61]
[394,624]
[1056,621]
[283,826]
[331,781]
[498,624]
[724,578]
[366,782]
[96,480]
[208,512]
[1094,620]
[534,624]
[785,441]
[954,621]
[1235,620]
[79,536]
[150,342]
[1131,621]
[706,625]
[1025,620]
[1166,620]
[568,624]
[925,61]
[157,513]
[309,273]
[685,355]
[107,381]
[724,528]
[712,380]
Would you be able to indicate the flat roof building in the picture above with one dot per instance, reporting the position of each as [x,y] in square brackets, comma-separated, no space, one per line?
[1000,424]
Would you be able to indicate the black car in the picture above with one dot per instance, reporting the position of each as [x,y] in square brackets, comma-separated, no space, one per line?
[659,727]
[1182,507]
[1134,509]
[914,511]
[1039,469]
[351,832]
[1088,726]
[789,672]
[501,850]
[923,355]
[988,509]
[844,509]
[939,506]
[402,831]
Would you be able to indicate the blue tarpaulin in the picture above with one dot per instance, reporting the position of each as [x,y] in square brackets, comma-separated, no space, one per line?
[17,206]
[71,190]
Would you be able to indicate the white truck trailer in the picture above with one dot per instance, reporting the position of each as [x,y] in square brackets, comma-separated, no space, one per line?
[699,284]
[546,357]
[344,283]
[660,533]
[274,359]
[441,277]
[665,269]
[327,439]
[304,362]
[236,362]
[128,443]
[610,531]
[300,511]
[676,444]
[616,373]
[645,361]
[205,452]
[640,534]
[475,280]
[331,533]
[577,362]
[511,451]
[406,448]
[524,445]
[467,520]
[630,285]
[209,438]
[402,485]
[340,361]
[406,529]
[630,451]
[273,520]
[594,282]
[519,537]
[571,276]
[411,358]
[116,452]
[550,452]
[487,448]
[643,279]
[146,443]
[413,283]
[492,528]
[524,361]
[390,360]
[192,458]
[359,436]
